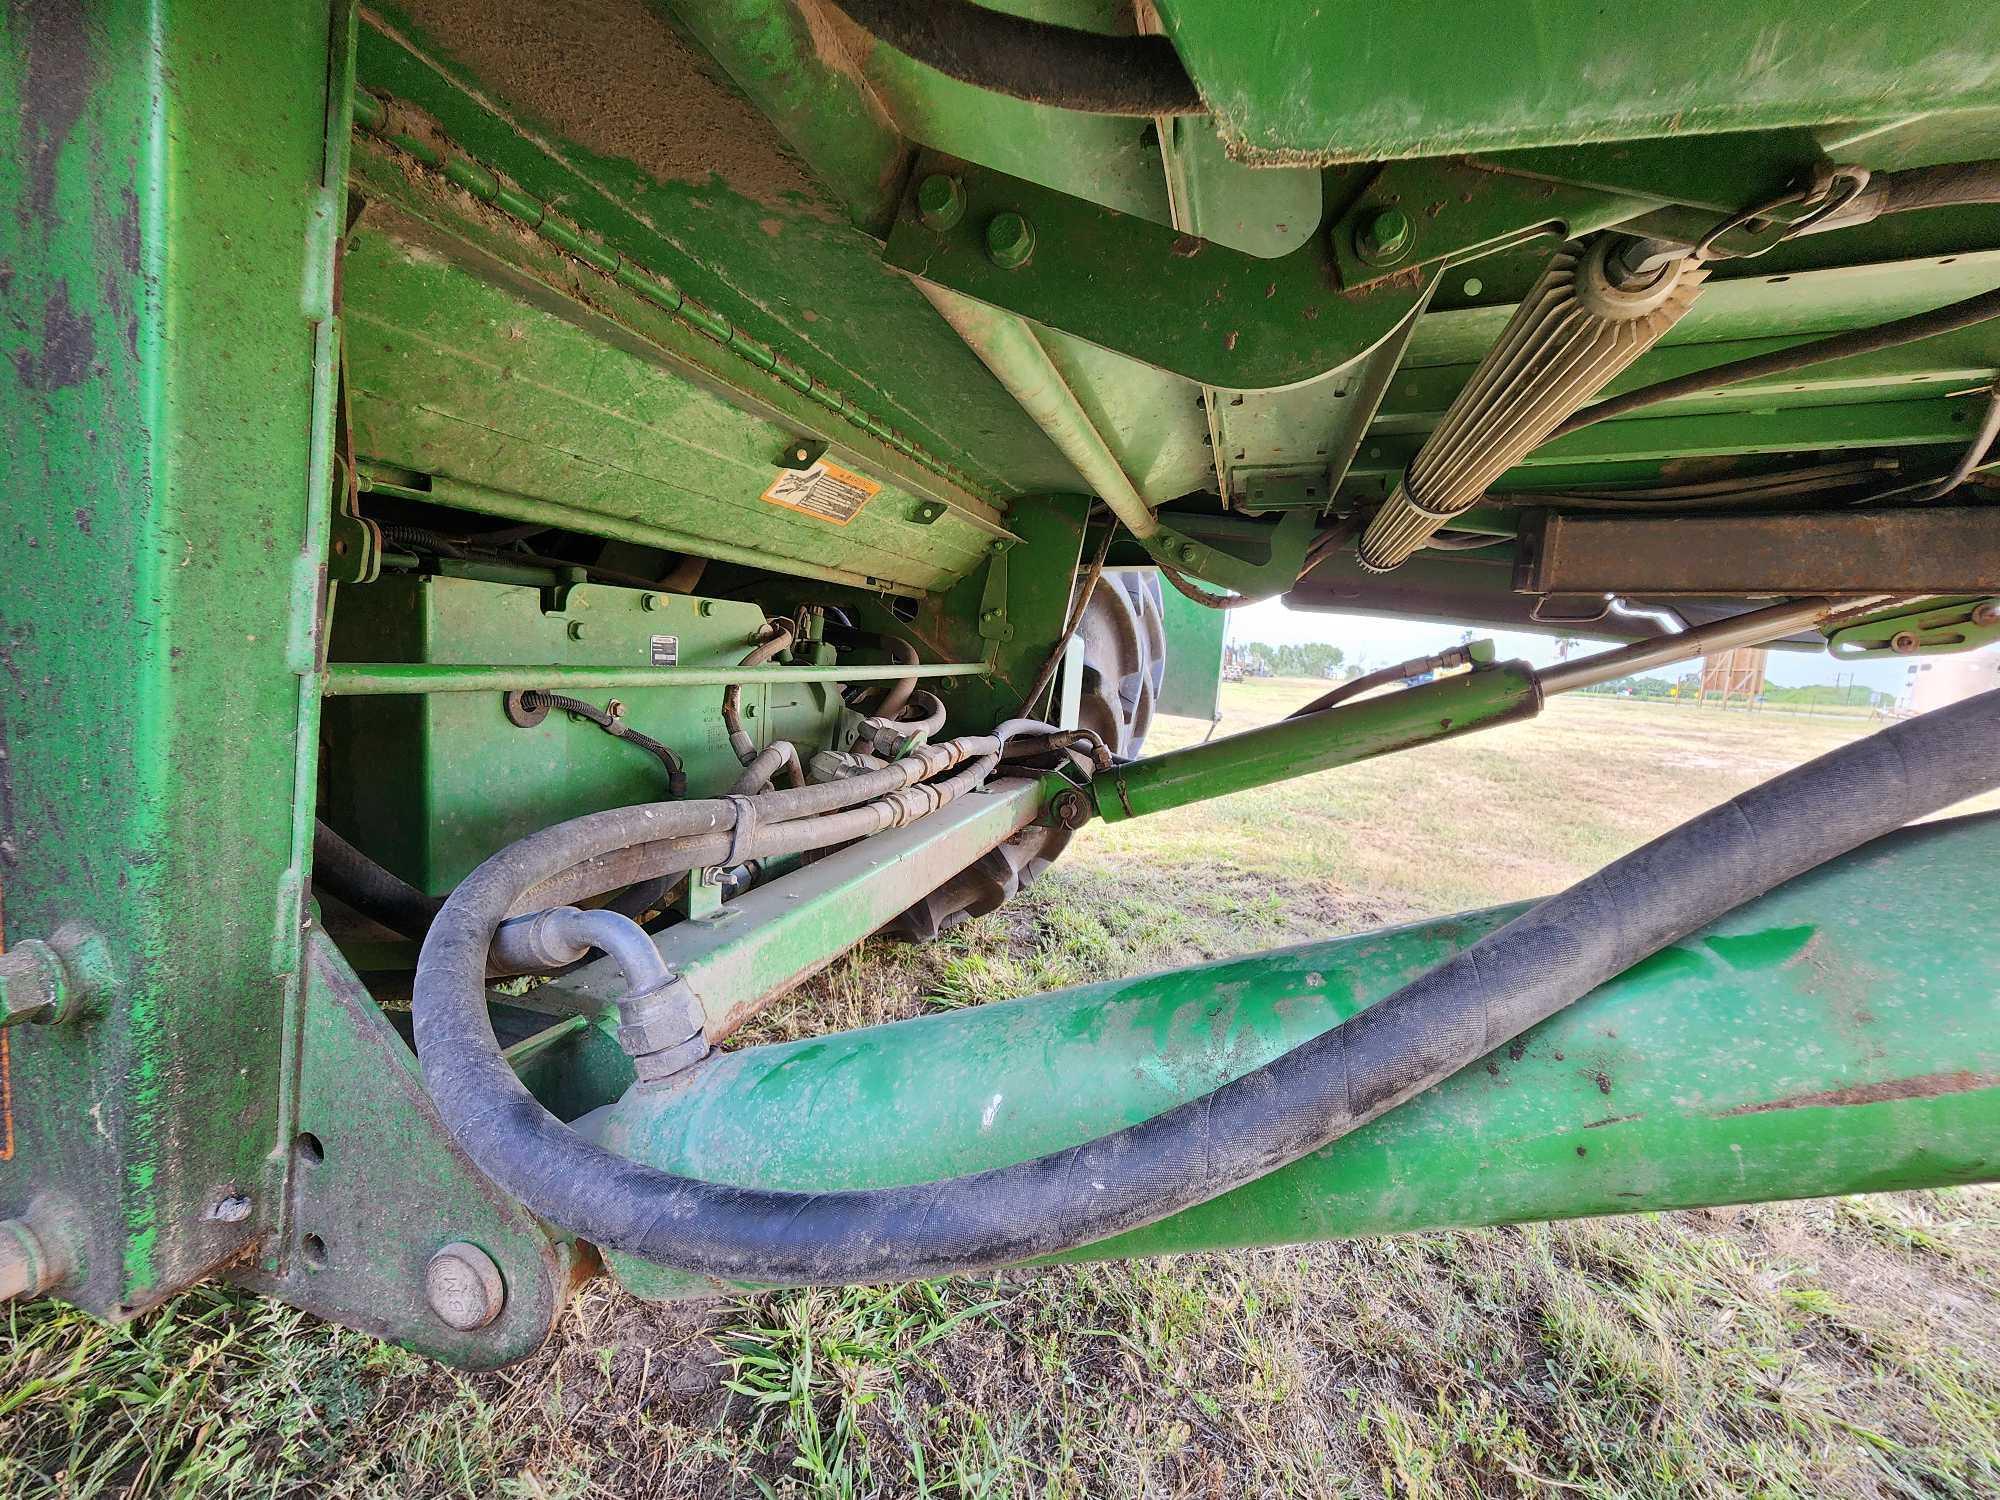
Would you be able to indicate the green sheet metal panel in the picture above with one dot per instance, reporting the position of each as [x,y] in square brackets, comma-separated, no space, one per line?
[432,784]
[607,110]
[466,366]
[172,201]
[1192,685]
[1443,76]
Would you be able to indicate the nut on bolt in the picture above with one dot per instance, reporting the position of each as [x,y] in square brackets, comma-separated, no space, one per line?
[940,201]
[30,1263]
[34,985]
[1987,613]
[1384,237]
[1010,241]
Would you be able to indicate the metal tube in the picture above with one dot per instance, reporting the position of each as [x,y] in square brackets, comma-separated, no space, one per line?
[378,679]
[1756,1059]
[1757,628]
[1008,347]
[1317,742]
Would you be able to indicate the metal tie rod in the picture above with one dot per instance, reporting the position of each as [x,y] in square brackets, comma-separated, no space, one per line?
[1757,628]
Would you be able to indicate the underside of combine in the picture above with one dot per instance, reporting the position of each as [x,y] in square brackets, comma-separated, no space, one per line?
[532,529]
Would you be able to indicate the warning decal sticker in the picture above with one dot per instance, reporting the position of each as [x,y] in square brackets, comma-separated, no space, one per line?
[825,490]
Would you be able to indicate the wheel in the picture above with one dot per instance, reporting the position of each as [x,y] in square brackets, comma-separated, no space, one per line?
[1124,660]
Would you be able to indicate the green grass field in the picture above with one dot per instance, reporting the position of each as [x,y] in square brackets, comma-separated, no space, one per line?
[1843,1347]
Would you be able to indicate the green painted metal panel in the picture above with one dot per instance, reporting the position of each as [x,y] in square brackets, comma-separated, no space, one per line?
[1317,742]
[172,203]
[1192,685]
[1555,72]
[686,178]
[1831,1037]
[432,784]
[462,366]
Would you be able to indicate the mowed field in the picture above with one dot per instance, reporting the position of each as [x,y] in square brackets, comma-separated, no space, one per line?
[1843,1347]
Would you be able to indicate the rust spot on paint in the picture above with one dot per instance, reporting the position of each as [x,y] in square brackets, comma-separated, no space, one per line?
[1187,247]
[1599,1077]
[67,349]
[1609,1120]
[55,84]
[1229,339]
[1924,1086]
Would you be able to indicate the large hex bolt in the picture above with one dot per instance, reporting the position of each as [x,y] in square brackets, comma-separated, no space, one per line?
[1010,241]
[34,985]
[940,201]
[1987,613]
[464,1286]
[1384,237]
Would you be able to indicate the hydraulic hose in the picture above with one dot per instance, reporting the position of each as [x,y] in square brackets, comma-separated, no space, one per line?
[375,892]
[779,640]
[1541,962]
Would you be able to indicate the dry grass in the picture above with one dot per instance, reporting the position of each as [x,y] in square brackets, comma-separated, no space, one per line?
[1840,1347]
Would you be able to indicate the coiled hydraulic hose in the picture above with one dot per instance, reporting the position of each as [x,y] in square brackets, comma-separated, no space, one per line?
[1321,1090]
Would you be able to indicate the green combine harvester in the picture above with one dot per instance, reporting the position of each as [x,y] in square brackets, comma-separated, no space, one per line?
[531,529]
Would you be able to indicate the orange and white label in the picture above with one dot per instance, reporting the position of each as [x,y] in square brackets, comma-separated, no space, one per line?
[824,490]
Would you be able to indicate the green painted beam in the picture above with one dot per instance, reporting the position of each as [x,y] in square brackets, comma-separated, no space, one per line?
[172,209]
[377,679]
[1528,73]
[1831,1037]
[1317,742]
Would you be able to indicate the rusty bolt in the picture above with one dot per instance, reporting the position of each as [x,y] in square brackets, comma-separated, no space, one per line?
[940,201]
[1904,642]
[1987,613]
[1010,241]
[464,1286]
[1072,809]
[1384,237]
[34,985]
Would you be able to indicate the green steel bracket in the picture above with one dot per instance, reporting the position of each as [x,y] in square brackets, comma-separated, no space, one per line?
[1214,314]
[377,1188]
[1938,628]
[1427,213]
[353,549]
[1284,553]
[1298,747]
[993,624]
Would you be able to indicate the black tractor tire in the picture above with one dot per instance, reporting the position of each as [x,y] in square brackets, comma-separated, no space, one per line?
[1124,661]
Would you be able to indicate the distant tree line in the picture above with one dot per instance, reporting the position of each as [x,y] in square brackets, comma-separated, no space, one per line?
[1294,661]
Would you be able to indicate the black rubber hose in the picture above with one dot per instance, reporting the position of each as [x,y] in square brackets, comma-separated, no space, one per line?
[371,890]
[1945,186]
[1891,335]
[1319,1091]
[1033,60]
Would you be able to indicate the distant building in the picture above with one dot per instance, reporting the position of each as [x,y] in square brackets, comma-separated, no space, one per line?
[1733,674]
[1948,679]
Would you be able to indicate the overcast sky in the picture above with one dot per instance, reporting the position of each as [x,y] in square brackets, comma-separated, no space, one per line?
[1383,641]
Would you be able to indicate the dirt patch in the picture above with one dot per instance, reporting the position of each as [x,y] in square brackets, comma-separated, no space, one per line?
[614,76]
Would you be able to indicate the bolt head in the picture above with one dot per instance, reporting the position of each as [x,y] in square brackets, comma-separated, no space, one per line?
[464,1286]
[940,201]
[32,983]
[651,602]
[1904,642]
[1987,613]
[1384,237]
[1010,241]
[576,630]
